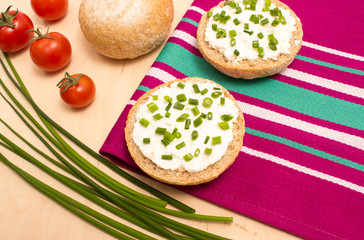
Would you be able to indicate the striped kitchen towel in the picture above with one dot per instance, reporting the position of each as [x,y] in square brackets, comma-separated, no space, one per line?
[301,168]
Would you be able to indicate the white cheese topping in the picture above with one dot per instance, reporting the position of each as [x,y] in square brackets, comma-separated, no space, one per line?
[155,149]
[282,32]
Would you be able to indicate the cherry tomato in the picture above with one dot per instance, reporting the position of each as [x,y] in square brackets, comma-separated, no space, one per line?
[77,90]
[50,10]
[51,51]
[13,27]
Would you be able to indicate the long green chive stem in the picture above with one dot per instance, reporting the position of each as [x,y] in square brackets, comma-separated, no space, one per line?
[94,154]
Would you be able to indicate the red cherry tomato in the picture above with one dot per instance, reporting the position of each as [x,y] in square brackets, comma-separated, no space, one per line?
[50,10]
[13,27]
[77,90]
[51,51]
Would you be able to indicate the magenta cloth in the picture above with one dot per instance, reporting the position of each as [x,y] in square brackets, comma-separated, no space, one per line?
[301,168]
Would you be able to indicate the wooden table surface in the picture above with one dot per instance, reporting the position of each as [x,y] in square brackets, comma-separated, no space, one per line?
[26,213]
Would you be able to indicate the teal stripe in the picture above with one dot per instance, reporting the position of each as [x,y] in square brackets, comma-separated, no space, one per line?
[306,59]
[143,88]
[194,23]
[306,149]
[330,65]
[267,89]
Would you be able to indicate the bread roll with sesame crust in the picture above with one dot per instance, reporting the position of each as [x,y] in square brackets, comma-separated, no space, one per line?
[124,29]
[181,176]
[250,69]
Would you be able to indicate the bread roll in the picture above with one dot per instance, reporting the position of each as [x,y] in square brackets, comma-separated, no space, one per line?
[123,29]
[254,67]
[199,169]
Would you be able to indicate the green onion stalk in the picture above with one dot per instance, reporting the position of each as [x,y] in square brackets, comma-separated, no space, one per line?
[136,208]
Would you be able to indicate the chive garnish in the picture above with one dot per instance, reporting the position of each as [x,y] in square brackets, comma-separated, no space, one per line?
[232,4]
[209,115]
[275,22]
[155,97]
[248,32]
[169,136]
[255,44]
[204,91]
[222,101]
[272,46]
[236,52]
[224,125]
[203,115]
[187,123]
[167,157]
[216,140]
[214,27]
[193,101]
[179,106]
[167,115]
[261,55]
[195,111]
[194,135]
[282,20]
[169,106]
[216,17]
[206,139]
[183,117]
[232,42]
[181,85]
[246,26]
[207,102]
[216,94]
[165,142]
[260,35]
[196,88]
[260,50]
[232,33]
[167,98]
[226,117]
[236,21]
[197,152]
[146,140]
[197,122]
[180,145]
[216,88]
[264,21]
[209,14]
[178,135]
[160,130]
[181,97]
[221,33]
[208,150]
[158,116]
[174,131]
[144,122]
[272,39]
[152,107]
[188,157]
[238,10]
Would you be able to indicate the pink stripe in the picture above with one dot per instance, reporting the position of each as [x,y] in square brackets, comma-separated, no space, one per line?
[329,73]
[332,58]
[193,15]
[188,28]
[169,69]
[303,158]
[205,5]
[185,45]
[318,89]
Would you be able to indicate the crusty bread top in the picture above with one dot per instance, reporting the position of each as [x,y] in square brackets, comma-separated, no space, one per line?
[250,69]
[181,176]
[125,28]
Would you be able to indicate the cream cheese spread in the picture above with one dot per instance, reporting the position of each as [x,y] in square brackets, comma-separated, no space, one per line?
[241,23]
[208,128]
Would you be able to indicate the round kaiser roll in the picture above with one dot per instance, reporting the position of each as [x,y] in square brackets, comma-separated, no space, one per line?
[181,176]
[250,68]
[124,29]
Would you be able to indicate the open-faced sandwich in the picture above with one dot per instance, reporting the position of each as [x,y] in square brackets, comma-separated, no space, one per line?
[185,132]
[250,38]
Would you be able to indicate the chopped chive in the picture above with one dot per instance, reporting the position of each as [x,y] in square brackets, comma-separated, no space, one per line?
[146,140]
[246,26]
[282,20]
[203,115]
[167,98]
[260,35]
[181,85]
[158,116]
[197,152]
[165,142]
[169,106]
[179,106]
[274,12]
[174,131]
[209,14]
[214,27]
[167,157]
[226,117]
[169,136]
[167,115]
[222,101]
[272,39]
[181,97]
[194,135]
[216,88]
[204,91]
[197,122]
[195,88]
[206,139]
[207,102]
[252,17]
[183,117]
[180,145]
[155,97]
[144,122]
[232,42]
[260,50]
[216,140]
[160,130]
[232,33]
[264,21]
[193,101]
[216,94]
[224,125]
[188,157]
[275,22]
[209,115]
[178,135]
[272,46]
[236,21]
[255,43]
[236,52]
[238,10]
[248,32]
[260,16]
[152,107]
[221,33]
[208,150]
[187,123]
[216,17]
[267,3]
[232,4]
[261,55]
[195,111]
